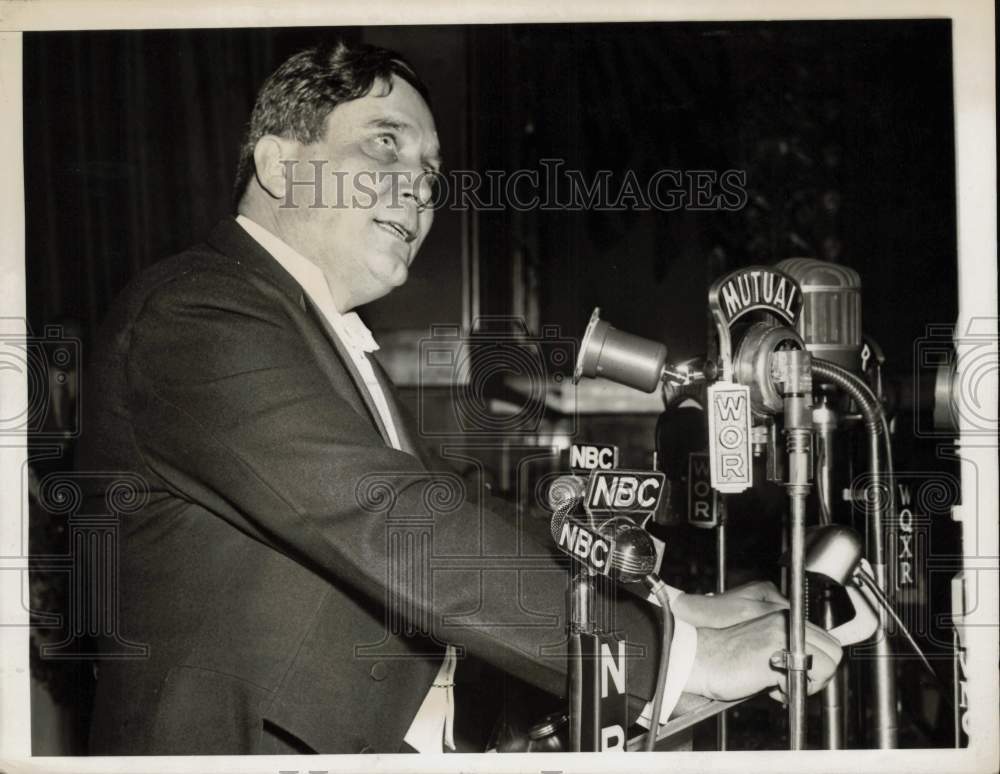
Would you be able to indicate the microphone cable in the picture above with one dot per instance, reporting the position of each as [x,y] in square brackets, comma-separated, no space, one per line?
[659,590]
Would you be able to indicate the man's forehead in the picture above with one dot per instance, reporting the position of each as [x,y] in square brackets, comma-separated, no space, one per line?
[407,115]
[402,106]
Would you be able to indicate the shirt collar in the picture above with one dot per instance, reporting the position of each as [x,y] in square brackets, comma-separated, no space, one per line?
[349,327]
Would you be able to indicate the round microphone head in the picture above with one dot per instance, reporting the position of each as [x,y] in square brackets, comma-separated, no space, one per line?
[634,554]
[566,489]
[830,322]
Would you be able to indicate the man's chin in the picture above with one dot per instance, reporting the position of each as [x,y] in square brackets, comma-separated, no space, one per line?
[392,274]
[399,274]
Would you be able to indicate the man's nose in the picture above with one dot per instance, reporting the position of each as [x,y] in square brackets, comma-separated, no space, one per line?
[412,189]
[398,185]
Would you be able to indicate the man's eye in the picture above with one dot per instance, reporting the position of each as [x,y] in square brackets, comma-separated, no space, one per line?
[383,146]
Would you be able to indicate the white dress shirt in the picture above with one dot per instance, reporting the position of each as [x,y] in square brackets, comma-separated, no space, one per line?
[433,726]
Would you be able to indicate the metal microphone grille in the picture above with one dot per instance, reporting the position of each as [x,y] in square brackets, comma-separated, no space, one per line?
[564,493]
[566,488]
[559,515]
[634,555]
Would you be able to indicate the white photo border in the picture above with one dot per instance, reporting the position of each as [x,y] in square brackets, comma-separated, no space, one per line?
[975,115]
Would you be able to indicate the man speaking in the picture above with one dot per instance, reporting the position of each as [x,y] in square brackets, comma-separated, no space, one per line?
[236,379]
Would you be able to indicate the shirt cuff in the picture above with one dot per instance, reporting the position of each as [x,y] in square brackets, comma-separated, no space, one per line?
[672,594]
[683,648]
[432,728]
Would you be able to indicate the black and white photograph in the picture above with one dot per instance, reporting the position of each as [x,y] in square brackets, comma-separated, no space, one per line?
[498,389]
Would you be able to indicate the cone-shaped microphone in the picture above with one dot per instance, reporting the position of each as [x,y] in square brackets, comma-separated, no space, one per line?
[620,357]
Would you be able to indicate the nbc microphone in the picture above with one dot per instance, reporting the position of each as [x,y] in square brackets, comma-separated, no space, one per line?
[565,492]
[620,550]
[625,552]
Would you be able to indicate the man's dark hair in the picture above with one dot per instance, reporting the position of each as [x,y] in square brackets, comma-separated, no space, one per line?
[296,99]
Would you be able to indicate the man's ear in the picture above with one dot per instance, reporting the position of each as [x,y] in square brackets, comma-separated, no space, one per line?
[270,157]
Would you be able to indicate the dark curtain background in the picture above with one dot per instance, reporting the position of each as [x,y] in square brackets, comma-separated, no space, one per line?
[844,130]
[131,142]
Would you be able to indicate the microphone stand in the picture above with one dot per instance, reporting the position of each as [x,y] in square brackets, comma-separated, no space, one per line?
[792,372]
[581,666]
[825,426]
[581,625]
[598,703]
[722,725]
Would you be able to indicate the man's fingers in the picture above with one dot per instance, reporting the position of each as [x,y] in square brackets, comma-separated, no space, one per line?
[823,668]
[734,662]
[817,640]
[739,604]
[826,655]
[764,591]
[769,607]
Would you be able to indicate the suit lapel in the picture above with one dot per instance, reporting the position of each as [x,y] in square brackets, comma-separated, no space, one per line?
[352,369]
[406,441]
[231,239]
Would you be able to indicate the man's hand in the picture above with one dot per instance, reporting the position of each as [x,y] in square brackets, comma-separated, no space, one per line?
[735,662]
[743,603]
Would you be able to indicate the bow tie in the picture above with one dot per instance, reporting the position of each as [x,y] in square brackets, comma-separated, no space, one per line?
[358,334]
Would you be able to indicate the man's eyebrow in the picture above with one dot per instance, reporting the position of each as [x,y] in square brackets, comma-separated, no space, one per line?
[390,123]
[434,159]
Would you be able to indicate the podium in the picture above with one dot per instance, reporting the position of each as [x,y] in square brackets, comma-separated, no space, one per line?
[676,733]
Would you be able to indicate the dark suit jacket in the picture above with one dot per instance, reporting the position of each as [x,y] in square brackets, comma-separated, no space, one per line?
[277,571]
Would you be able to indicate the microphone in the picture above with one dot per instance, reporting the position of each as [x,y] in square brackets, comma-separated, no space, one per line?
[619,549]
[830,321]
[620,357]
[634,555]
[566,491]
[624,552]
